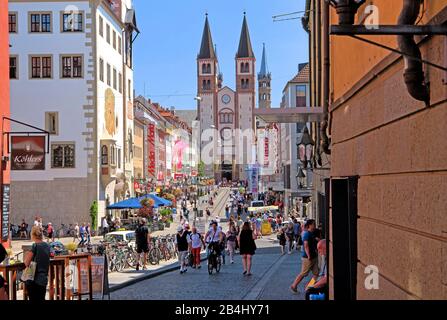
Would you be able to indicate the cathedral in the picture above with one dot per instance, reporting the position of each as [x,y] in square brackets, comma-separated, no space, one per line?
[226,119]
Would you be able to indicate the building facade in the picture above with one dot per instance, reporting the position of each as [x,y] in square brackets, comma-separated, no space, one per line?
[267,135]
[388,160]
[295,95]
[4,112]
[77,58]
[225,115]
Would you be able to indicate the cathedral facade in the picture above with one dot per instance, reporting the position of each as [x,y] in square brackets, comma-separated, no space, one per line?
[226,120]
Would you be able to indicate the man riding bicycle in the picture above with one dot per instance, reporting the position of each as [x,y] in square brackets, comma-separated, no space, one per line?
[214,239]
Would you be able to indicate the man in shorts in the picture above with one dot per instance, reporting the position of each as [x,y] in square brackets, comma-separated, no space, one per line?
[142,242]
[309,255]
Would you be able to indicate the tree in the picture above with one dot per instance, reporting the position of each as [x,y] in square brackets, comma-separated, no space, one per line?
[94,214]
[201,169]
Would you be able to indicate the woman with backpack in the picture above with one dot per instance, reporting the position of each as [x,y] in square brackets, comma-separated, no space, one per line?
[196,243]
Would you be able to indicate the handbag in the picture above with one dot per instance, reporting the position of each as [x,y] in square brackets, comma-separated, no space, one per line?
[30,271]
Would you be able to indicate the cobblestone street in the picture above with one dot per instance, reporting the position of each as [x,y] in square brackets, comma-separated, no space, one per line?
[272,276]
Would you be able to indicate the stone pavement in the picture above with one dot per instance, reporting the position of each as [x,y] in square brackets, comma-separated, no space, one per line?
[272,276]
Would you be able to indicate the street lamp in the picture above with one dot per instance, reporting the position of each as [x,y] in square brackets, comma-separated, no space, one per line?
[305,147]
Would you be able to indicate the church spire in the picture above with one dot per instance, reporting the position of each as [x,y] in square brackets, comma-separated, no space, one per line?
[264,72]
[245,50]
[207,47]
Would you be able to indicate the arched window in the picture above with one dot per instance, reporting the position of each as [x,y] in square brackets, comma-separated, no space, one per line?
[247,67]
[208,85]
[208,68]
[204,84]
[246,84]
[204,68]
[104,155]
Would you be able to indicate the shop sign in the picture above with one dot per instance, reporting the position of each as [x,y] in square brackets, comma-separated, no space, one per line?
[27,152]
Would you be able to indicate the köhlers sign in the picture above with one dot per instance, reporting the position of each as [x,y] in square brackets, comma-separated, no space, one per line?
[27,153]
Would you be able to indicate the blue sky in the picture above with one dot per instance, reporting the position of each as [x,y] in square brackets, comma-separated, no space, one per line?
[171,30]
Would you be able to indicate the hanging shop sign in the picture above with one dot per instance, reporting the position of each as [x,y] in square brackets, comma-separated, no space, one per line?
[27,152]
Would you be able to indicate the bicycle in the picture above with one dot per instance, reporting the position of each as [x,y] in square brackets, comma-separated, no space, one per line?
[214,259]
[62,231]
[165,250]
[154,253]
[132,257]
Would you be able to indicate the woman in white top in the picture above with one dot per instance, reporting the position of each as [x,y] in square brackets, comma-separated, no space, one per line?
[196,242]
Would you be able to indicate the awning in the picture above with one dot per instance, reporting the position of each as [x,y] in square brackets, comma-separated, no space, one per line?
[290,115]
[132,203]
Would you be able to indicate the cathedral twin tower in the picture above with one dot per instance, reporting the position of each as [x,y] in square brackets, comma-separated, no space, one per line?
[226,110]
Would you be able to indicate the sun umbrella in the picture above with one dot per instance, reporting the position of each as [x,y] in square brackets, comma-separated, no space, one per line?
[158,201]
[132,203]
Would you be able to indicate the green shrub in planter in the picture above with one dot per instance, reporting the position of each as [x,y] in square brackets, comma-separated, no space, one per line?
[161,226]
[167,224]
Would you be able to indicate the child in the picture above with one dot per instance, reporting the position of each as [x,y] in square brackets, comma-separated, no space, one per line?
[282,240]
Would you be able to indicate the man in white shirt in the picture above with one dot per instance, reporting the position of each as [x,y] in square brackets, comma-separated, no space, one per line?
[214,237]
[105,226]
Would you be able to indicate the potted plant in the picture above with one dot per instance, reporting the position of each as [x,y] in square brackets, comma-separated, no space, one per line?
[147,210]
[71,248]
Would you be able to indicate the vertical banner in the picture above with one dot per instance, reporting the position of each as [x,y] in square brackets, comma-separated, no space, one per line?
[266,149]
[151,149]
[5,211]
[253,180]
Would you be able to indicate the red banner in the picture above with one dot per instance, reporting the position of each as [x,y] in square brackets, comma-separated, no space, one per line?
[266,152]
[151,149]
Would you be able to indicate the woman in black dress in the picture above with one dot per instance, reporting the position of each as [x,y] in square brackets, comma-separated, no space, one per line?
[247,247]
